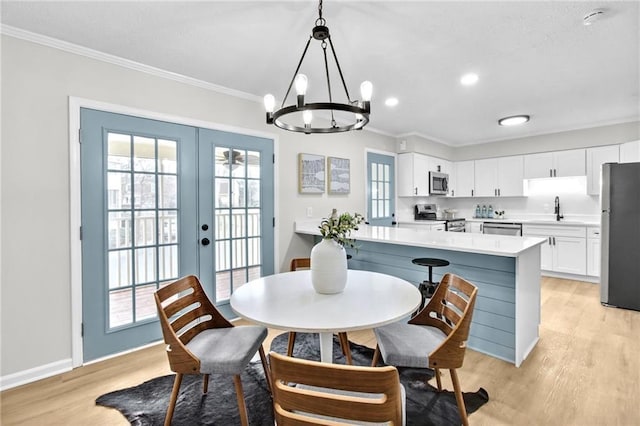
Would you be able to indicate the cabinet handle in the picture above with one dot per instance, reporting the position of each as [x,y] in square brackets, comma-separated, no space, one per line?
[550,172]
[415,190]
[472,192]
[555,174]
[554,241]
[452,192]
[549,240]
[498,192]
[495,192]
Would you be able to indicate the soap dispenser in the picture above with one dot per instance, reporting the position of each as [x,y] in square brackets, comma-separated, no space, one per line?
[484,210]
[478,211]
[490,212]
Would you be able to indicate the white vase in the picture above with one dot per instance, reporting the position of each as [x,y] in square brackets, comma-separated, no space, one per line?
[328,267]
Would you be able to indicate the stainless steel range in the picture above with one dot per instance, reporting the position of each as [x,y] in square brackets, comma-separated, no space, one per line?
[430,212]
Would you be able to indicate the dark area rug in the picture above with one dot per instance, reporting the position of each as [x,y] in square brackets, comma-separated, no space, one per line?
[146,404]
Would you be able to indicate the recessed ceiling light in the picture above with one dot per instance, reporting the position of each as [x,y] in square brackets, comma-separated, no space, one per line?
[469,79]
[391,102]
[514,120]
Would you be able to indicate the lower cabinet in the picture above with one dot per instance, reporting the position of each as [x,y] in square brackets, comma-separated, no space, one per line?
[565,249]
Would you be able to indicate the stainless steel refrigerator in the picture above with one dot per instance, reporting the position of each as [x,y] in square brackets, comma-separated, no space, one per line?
[620,235]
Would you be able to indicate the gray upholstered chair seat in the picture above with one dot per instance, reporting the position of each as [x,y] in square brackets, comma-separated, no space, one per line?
[408,345]
[226,350]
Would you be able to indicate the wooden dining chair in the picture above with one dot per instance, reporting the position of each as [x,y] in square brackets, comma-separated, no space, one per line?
[436,337]
[312,393]
[201,341]
[302,263]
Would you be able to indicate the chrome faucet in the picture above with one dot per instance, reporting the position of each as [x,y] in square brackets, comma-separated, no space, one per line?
[557,209]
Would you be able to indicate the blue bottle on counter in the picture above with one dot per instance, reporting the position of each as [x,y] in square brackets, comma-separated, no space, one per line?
[478,211]
[484,211]
[490,212]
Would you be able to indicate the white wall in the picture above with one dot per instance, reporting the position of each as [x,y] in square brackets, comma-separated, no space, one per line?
[36,84]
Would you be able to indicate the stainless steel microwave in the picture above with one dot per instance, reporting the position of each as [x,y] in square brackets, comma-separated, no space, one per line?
[438,183]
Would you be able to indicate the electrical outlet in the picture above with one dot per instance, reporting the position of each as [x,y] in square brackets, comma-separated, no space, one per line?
[309,212]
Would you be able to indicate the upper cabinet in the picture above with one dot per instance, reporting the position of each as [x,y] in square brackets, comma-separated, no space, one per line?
[464,172]
[596,157]
[499,177]
[630,152]
[413,173]
[555,164]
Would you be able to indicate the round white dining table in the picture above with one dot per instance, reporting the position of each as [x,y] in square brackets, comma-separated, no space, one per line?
[288,301]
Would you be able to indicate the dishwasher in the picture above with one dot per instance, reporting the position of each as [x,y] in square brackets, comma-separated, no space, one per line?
[502,228]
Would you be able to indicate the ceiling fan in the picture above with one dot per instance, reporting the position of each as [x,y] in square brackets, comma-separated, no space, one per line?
[224,157]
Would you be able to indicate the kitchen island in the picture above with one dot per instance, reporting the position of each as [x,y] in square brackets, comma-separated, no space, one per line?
[505,269]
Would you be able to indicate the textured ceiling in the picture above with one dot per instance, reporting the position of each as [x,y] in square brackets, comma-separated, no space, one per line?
[532,57]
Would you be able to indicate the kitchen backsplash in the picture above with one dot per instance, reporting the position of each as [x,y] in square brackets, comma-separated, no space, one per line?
[572,206]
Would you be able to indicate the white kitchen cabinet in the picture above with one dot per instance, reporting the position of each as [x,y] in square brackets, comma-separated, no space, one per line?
[465,179]
[593,251]
[565,249]
[630,152]
[596,157]
[413,175]
[555,164]
[496,177]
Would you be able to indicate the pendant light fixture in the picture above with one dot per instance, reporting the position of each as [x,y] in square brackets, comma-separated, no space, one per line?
[286,116]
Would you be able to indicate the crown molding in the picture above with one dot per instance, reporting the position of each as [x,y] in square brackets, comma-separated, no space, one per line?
[126,63]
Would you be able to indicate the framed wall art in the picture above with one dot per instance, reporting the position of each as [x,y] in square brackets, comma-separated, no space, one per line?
[311,173]
[339,175]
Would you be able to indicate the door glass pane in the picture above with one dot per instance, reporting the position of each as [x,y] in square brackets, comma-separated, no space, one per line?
[237,187]
[238,194]
[145,228]
[118,151]
[143,224]
[119,229]
[167,156]
[374,171]
[144,154]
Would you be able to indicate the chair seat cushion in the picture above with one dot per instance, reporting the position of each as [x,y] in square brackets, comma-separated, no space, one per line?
[408,345]
[227,350]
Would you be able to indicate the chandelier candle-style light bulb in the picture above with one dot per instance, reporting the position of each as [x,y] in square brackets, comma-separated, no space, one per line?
[351,114]
[269,102]
[366,90]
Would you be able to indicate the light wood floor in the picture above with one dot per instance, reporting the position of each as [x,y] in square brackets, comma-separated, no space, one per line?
[585,370]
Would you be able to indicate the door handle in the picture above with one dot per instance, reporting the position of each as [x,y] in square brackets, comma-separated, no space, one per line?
[205,241]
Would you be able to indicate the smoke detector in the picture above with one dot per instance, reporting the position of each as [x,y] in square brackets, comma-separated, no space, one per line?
[592,16]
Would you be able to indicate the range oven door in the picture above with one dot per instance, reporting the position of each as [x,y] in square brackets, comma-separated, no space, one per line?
[438,183]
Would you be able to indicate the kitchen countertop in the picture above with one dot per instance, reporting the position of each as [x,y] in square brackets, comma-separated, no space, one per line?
[496,245]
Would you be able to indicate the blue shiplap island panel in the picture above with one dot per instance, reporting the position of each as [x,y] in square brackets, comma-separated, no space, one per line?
[507,311]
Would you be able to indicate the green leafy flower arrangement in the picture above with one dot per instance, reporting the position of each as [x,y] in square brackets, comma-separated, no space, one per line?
[339,227]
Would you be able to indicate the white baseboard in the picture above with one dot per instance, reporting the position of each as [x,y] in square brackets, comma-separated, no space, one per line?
[31,375]
[585,278]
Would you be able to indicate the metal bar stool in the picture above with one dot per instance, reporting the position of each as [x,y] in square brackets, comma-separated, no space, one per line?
[427,288]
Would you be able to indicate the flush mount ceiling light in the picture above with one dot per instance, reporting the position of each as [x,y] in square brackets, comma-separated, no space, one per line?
[592,16]
[469,79]
[513,120]
[358,110]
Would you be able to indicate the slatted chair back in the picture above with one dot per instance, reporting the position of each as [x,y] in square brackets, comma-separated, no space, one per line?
[185,311]
[450,309]
[305,390]
[300,263]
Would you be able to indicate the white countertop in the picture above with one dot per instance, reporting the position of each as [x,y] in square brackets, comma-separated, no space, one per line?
[496,245]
